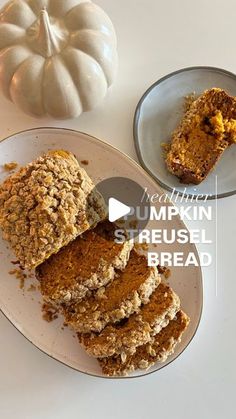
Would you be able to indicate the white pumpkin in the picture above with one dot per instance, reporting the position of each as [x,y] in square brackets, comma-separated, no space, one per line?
[57,57]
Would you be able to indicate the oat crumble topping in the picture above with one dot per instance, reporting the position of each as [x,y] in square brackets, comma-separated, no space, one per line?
[46,205]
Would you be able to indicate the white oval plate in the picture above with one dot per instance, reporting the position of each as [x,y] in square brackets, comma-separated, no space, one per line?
[23,308]
[159,113]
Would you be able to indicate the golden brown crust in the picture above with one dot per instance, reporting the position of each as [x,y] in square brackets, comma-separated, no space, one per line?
[87,263]
[118,300]
[46,205]
[207,129]
[126,336]
[158,350]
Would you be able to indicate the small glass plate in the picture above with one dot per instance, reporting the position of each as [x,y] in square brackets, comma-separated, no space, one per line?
[158,114]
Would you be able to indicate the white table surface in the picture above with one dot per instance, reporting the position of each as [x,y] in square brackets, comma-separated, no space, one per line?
[155,38]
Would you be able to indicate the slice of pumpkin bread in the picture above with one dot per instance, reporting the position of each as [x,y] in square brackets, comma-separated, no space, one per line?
[206,131]
[158,350]
[124,337]
[118,300]
[87,263]
[46,205]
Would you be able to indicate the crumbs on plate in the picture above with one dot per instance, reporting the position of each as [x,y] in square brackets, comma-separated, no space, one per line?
[10,166]
[164,271]
[50,313]
[165,149]
[32,288]
[19,274]
[22,275]
[188,100]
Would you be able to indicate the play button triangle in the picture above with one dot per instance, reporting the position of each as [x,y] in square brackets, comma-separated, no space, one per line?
[117,210]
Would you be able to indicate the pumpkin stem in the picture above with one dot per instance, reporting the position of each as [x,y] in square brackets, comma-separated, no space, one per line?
[47,36]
